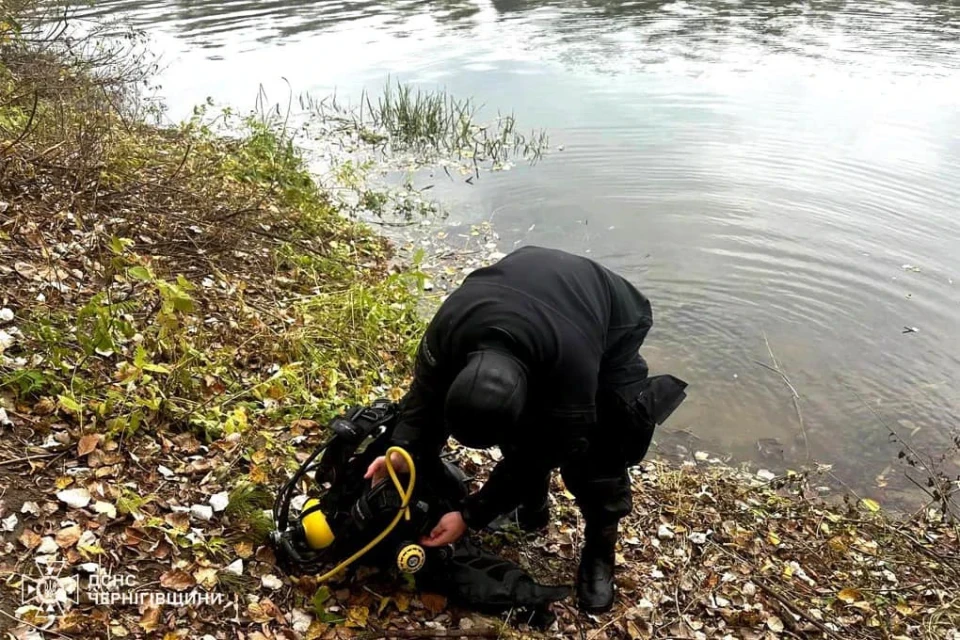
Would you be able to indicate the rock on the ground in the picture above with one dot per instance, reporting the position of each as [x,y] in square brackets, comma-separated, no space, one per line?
[105,508]
[47,546]
[271,581]
[300,620]
[235,567]
[9,523]
[219,501]
[76,498]
[201,512]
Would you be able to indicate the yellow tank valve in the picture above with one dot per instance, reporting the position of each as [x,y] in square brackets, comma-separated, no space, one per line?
[410,558]
[316,529]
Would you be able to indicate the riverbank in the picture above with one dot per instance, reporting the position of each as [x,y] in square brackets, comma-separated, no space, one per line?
[180,315]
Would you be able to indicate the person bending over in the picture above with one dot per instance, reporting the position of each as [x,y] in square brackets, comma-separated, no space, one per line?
[537,354]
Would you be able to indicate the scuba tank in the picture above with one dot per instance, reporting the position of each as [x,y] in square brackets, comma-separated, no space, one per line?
[345,518]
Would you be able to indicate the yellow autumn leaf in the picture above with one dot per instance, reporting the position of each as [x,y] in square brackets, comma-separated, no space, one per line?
[904,609]
[872,505]
[258,613]
[773,538]
[258,475]
[63,482]
[357,617]
[316,630]
[838,544]
[849,595]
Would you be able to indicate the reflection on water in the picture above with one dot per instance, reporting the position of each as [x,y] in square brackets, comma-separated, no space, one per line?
[758,168]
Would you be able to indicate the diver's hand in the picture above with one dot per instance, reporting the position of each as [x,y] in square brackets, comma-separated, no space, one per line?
[450,529]
[377,470]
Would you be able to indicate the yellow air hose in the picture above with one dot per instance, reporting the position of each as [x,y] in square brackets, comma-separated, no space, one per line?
[402,512]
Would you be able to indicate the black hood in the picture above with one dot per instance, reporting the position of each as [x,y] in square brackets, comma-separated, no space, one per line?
[486,399]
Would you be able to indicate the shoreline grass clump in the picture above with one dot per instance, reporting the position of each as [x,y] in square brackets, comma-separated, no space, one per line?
[429,125]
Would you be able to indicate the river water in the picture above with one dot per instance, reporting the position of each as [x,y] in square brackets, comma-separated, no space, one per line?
[765,171]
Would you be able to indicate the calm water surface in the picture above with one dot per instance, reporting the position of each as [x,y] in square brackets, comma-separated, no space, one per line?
[757,168]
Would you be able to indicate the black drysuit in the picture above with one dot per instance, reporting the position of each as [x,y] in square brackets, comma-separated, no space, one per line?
[577,328]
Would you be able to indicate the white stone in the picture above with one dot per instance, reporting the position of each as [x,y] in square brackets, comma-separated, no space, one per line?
[665,533]
[297,503]
[763,474]
[201,512]
[87,540]
[165,472]
[6,340]
[6,315]
[106,508]
[76,498]
[271,581]
[47,546]
[300,620]
[9,523]
[235,567]
[219,501]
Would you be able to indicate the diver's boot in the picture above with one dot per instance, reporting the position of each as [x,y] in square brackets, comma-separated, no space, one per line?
[595,575]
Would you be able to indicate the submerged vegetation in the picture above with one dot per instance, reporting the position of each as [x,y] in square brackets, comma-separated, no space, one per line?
[181,310]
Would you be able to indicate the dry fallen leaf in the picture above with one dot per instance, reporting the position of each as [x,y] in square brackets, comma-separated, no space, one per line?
[258,475]
[775,624]
[433,602]
[150,619]
[87,444]
[206,577]
[257,613]
[849,595]
[29,539]
[177,579]
[68,537]
[316,631]
[179,520]
[357,617]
